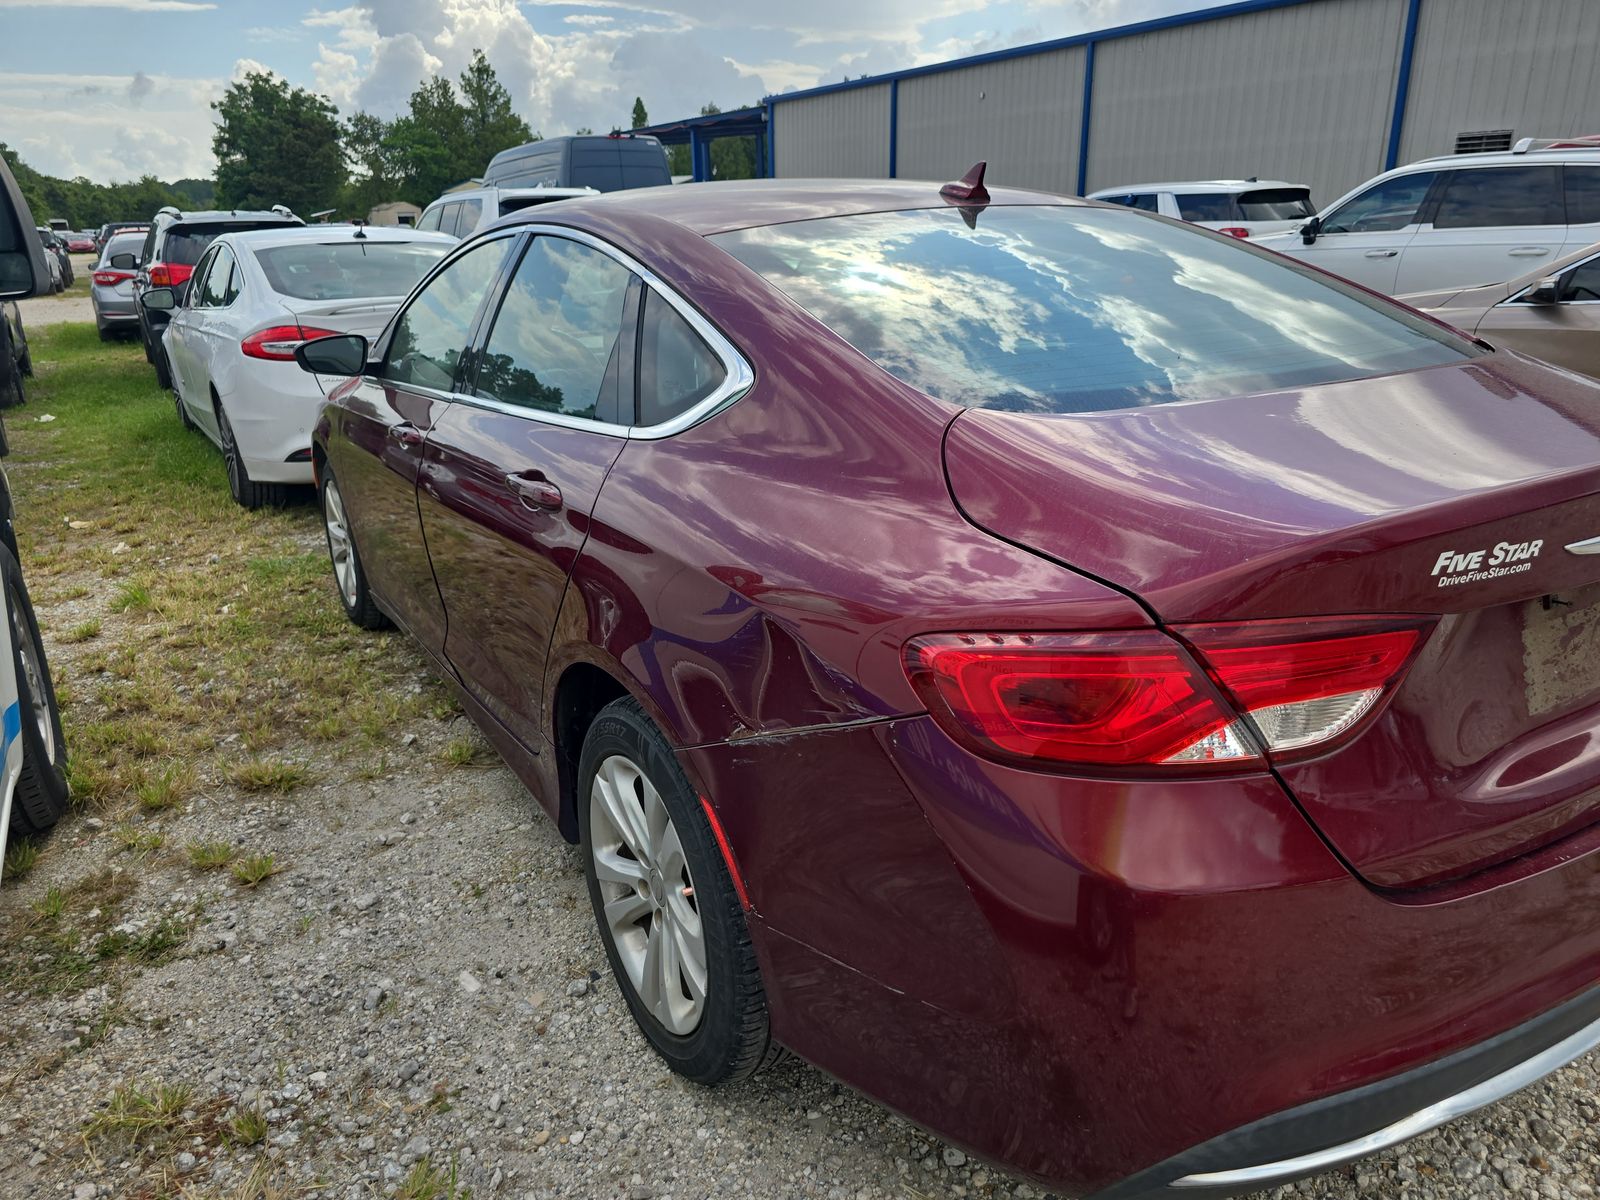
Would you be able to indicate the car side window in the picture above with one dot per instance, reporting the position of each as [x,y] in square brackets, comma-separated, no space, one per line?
[556,345]
[676,368]
[447,219]
[1501,196]
[1583,194]
[214,290]
[197,281]
[430,336]
[430,219]
[1382,208]
[1582,283]
[467,221]
[1145,202]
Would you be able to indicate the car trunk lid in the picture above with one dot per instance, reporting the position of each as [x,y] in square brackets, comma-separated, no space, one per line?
[1454,492]
[366,316]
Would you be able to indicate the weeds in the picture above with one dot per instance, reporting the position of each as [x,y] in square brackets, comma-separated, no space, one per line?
[428,1182]
[255,870]
[165,790]
[461,752]
[133,840]
[22,855]
[247,1127]
[83,631]
[265,775]
[209,856]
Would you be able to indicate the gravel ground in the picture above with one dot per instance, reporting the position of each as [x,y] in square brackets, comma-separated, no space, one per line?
[71,305]
[423,979]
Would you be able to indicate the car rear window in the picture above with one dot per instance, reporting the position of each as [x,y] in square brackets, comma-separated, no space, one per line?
[184,244]
[121,243]
[1276,204]
[1063,309]
[348,270]
[1203,206]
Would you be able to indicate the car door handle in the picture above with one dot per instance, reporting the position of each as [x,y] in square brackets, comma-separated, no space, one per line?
[534,492]
[1382,253]
[406,434]
[1530,251]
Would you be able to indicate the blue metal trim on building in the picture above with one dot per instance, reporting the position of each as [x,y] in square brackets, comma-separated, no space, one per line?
[1198,17]
[1402,84]
[1083,124]
[772,144]
[894,124]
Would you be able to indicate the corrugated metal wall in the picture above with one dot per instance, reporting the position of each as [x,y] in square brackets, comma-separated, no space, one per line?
[1531,66]
[1302,93]
[838,134]
[1022,114]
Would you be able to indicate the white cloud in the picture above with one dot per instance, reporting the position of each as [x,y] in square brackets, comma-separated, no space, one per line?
[69,125]
[128,5]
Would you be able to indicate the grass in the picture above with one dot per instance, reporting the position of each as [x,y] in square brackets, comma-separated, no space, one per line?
[133,840]
[262,775]
[461,752]
[76,937]
[22,855]
[248,1127]
[255,870]
[222,631]
[428,1182]
[209,856]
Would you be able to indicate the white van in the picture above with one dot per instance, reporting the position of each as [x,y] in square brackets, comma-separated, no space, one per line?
[1458,221]
[461,214]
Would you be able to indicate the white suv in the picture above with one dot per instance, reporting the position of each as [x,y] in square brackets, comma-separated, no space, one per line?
[1458,221]
[461,214]
[1241,207]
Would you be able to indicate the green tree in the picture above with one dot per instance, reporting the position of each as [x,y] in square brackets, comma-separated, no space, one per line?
[491,124]
[276,144]
[87,205]
[640,117]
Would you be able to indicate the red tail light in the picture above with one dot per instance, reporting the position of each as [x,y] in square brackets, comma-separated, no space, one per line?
[1238,231]
[279,341]
[1141,702]
[111,278]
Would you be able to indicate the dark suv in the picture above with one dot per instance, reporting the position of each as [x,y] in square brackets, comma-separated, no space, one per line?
[171,249]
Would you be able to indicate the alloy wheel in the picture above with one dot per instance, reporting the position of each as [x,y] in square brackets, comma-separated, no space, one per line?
[651,912]
[339,547]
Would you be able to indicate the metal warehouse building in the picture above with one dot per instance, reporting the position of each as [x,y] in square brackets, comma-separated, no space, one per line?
[1322,92]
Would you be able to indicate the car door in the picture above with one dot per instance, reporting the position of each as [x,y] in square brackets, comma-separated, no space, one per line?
[212,331]
[1362,239]
[511,473]
[1487,225]
[176,339]
[1566,333]
[379,430]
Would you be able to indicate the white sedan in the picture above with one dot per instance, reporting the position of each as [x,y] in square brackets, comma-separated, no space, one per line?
[253,298]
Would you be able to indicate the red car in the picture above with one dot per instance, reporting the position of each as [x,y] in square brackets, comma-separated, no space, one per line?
[1126,700]
[80,243]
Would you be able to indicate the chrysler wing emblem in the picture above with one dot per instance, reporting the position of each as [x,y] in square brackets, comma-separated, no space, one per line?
[1587,546]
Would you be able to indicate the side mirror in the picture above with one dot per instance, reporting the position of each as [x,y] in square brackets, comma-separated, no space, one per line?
[1309,231]
[341,354]
[1546,291]
[124,262]
[159,299]
[22,266]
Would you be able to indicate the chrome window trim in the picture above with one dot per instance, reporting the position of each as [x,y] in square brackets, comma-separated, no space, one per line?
[737,380]
[1496,1087]
[1592,259]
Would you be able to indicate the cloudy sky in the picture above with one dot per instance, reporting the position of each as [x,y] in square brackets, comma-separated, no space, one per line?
[112,89]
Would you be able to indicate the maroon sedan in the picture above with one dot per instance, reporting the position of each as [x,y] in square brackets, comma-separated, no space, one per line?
[1128,701]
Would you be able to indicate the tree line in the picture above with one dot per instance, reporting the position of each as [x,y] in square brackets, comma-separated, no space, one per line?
[280,144]
[86,205]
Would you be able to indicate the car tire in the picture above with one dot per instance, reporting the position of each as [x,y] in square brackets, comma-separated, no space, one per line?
[668,893]
[349,579]
[183,413]
[144,336]
[41,794]
[105,334]
[15,396]
[163,369]
[245,491]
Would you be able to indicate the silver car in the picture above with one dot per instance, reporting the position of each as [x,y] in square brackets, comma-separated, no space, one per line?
[116,312]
